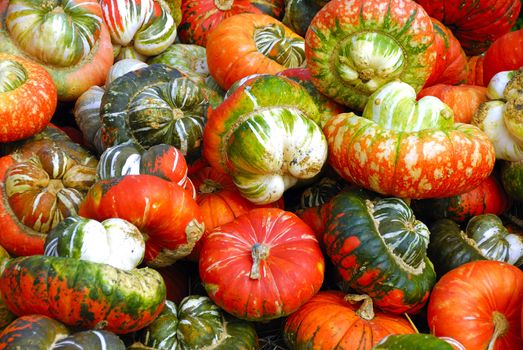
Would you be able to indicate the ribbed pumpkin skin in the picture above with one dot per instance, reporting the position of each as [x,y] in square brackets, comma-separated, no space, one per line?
[397,276]
[162,210]
[287,276]
[251,43]
[480,288]
[476,24]
[41,332]
[153,105]
[83,294]
[451,66]
[355,47]
[200,17]
[67,37]
[28,98]
[197,323]
[504,54]
[413,342]
[327,321]
[5,315]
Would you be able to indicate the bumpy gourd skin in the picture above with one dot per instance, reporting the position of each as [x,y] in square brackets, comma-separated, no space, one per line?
[353,48]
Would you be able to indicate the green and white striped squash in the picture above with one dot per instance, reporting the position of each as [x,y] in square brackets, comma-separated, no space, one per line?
[114,241]
[197,323]
[155,104]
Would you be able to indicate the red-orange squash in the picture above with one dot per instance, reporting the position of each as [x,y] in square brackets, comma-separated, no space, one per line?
[451,62]
[261,266]
[333,320]
[200,17]
[463,99]
[251,43]
[27,98]
[506,53]
[479,305]
[475,76]
[165,213]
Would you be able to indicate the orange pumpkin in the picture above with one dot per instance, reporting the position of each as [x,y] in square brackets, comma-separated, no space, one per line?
[463,99]
[251,43]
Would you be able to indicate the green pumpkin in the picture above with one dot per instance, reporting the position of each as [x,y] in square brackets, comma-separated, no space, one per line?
[485,238]
[412,342]
[37,332]
[114,241]
[196,324]
[512,179]
[155,104]
[5,315]
[379,248]
[299,14]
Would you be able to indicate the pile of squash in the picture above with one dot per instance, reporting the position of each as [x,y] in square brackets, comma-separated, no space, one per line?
[261,174]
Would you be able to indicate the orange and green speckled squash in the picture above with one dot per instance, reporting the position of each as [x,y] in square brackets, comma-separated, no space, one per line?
[333,320]
[380,249]
[200,17]
[67,37]
[354,47]
[42,332]
[408,148]
[82,293]
[164,212]
[27,98]
[263,265]
[266,141]
[5,315]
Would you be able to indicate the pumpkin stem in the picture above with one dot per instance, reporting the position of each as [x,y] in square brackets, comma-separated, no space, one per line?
[259,252]
[501,327]
[209,186]
[224,5]
[366,310]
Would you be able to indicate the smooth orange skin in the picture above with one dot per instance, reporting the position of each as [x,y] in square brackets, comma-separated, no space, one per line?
[328,322]
[26,110]
[231,50]
[463,300]
[463,99]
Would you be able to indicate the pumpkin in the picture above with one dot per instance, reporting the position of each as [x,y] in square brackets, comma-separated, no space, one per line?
[122,67]
[139,28]
[326,106]
[42,332]
[87,117]
[464,100]
[267,142]
[512,179]
[200,17]
[5,315]
[414,342]
[152,105]
[476,24]
[165,213]
[298,14]
[500,117]
[451,66]
[114,241]
[408,148]
[379,248]
[67,37]
[263,265]
[353,48]
[27,98]
[332,320]
[504,54]
[160,160]
[41,183]
[475,76]
[83,294]
[489,295]
[487,197]
[251,43]
[197,323]
[484,238]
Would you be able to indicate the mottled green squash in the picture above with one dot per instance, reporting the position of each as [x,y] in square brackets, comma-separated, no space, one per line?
[196,324]
[379,248]
[299,14]
[413,342]
[512,179]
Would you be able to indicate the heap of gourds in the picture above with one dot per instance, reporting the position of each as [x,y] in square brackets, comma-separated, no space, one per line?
[186,174]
